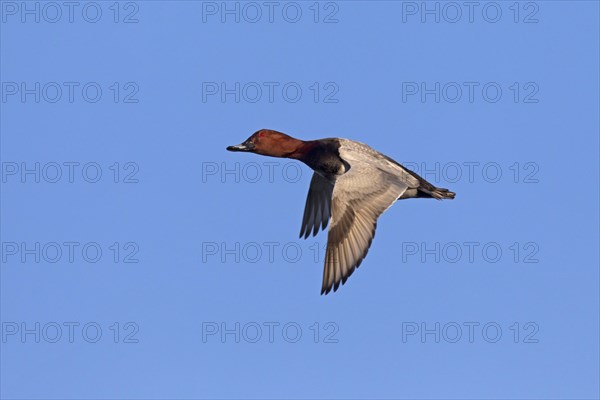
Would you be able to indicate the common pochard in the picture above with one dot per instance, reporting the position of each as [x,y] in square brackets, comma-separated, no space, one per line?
[352,185]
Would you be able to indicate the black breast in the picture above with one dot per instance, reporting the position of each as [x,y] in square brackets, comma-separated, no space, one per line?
[324,157]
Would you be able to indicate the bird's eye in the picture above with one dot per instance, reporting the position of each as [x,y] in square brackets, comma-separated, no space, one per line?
[261,134]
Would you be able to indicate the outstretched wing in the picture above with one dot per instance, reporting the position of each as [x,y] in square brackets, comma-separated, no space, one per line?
[360,196]
[317,210]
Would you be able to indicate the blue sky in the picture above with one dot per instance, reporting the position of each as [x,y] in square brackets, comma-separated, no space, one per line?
[142,260]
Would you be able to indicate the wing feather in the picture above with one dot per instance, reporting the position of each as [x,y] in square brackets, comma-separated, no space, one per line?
[318,206]
[359,197]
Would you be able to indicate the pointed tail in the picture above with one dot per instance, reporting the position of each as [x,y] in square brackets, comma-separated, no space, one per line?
[442,194]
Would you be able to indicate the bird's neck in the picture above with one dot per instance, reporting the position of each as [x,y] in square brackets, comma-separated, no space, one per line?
[300,149]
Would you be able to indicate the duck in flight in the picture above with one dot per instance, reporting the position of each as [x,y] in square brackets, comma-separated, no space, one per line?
[352,185]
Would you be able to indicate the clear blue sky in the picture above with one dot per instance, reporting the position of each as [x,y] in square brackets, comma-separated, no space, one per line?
[492,295]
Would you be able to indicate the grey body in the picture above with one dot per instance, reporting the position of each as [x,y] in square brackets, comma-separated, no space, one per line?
[352,186]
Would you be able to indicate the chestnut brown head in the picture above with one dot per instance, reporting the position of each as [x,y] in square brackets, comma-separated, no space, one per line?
[269,143]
